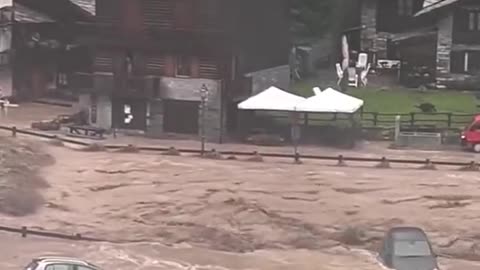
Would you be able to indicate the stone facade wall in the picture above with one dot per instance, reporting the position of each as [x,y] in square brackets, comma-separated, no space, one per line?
[444,48]
[155,119]
[263,79]
[370,39]
[98,108]
[368,18]
[188,89]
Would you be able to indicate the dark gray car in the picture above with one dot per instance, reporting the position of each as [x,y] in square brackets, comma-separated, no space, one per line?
[407,248]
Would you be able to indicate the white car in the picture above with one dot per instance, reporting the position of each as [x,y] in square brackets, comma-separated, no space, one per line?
[60,263]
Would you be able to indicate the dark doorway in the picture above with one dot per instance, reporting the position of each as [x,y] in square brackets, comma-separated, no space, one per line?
[181,116]
[232,117]
[130,114]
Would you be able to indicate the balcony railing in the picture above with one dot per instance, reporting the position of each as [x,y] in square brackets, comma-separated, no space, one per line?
[466,37]
[107,83]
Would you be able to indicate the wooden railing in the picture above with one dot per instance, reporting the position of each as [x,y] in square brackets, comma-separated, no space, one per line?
[440,120]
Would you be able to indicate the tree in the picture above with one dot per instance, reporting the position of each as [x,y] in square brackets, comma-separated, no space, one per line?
[312,18]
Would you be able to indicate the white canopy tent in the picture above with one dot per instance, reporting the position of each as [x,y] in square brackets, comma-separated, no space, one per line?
[272,99]
[330,101]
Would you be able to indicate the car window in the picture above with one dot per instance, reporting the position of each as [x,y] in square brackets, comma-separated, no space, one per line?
[412,248]
[84,268]
[59,267]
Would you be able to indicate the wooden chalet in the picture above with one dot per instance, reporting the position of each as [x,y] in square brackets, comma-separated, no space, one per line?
[41,54]
[436,42]
[151,58]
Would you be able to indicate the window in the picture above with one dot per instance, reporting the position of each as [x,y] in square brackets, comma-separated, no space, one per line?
[412,248]
[62,79]
[465,62]
[4,59]
[59,267]
[405,7]
[184,66]
[474,20]
[84,268]
[129,63]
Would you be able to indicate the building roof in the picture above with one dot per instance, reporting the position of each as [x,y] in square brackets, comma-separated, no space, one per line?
[423,32]
[433,5]
[427,3]
[272,99]
[330,101]
[5,3]
[24,14]
[87,5]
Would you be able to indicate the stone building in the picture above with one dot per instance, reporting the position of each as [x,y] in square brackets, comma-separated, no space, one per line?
[152,57]
[436,39]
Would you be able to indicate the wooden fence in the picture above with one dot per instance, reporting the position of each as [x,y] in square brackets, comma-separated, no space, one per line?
[381,120]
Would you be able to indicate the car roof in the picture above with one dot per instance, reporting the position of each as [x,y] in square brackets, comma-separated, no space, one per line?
[407,233]
[62,259]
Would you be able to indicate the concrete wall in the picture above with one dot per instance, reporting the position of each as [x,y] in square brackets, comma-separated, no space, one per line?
[444,48]
[263,79]
[102,109]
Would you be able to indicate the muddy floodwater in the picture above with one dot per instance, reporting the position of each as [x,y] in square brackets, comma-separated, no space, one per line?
[170,212]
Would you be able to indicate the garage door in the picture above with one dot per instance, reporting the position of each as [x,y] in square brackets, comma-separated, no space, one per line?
[181,116]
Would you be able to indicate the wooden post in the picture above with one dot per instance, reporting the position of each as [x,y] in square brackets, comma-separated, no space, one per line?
[295,133]
[14,131]
[412,119]
[24,231]
[449,121]
[375,119]
[397,127]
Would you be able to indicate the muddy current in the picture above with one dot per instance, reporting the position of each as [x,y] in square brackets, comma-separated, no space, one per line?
[165,212]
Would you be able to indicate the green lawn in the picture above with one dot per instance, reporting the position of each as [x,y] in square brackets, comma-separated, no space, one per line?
[404,100]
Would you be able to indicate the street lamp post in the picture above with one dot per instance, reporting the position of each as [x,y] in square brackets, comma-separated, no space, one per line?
[203,105]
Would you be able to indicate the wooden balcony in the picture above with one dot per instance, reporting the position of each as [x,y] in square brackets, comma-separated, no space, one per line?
[466,37]
[152,38]
[108,84]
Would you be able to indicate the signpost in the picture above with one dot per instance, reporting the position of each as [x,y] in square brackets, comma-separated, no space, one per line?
[295,134]
[203,103]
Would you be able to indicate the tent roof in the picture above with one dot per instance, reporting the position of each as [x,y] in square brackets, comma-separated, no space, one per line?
[330,101]
[272,99]
[87,5]
[435,5]
[24,14]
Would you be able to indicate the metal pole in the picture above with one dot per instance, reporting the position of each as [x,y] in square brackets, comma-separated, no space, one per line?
[203,104]
[203,125]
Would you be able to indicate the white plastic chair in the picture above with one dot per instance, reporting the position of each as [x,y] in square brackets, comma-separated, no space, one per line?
[352,77]
[339,73]
[362,61]
[364,74]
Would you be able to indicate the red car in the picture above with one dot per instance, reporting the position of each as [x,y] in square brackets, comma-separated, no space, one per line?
[471,135]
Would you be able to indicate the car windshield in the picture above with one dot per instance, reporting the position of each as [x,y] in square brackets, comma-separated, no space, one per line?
[412,248]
